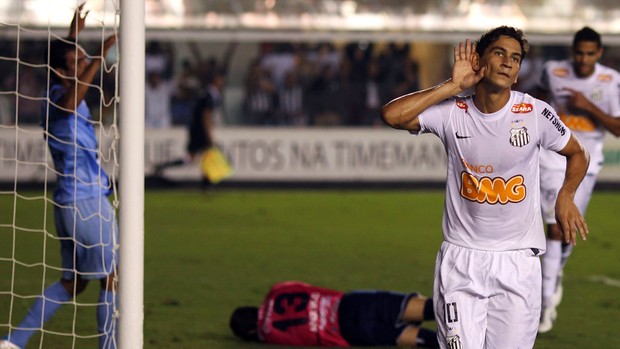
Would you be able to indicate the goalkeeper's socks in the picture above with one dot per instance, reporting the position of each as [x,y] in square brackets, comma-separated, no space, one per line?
[106,320]
[44,308]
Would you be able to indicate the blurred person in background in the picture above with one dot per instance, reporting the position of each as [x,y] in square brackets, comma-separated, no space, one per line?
[158,94]
[278,59]
[373,93]
[183,100]
[586,95]
[84,218]
[299,314]
[159,57]
[355,73]
[207,114]
[207,110]
[398,71]
[290,101]
[162,85]
[260,95]
[326,98]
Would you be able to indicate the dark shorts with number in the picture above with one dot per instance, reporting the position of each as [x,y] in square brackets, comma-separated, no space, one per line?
[369,318]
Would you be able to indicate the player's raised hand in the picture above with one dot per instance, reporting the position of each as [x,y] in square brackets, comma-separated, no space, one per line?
[78,22]
[569,219]
[464,73]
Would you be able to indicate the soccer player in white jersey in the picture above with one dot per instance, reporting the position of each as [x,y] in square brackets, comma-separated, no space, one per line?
[586,96]
[487,276]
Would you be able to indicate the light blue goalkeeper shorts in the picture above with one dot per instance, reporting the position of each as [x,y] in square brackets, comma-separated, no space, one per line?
[88,236]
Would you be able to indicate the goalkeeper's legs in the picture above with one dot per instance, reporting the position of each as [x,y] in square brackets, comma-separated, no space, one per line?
[106,319]
[44,309]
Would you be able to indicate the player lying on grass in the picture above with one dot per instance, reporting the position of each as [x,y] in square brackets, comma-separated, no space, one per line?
[296,313]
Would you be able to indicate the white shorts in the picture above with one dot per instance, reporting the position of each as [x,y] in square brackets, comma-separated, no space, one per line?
[550,184]
[486,299]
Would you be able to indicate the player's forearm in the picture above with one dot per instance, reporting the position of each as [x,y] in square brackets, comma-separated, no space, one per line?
[78,22]
[576,168]
[73,32]
[78,88]
[403,112]
[610,123]
[567,214]
[73,29]
[577,162]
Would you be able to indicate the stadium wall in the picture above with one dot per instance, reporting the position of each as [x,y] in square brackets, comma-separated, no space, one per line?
[276,155]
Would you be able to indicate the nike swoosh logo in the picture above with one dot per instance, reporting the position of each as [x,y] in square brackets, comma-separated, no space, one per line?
[461,137]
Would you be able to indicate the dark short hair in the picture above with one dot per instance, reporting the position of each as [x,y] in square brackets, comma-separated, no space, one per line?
[57,54]
[244,323]
[587,34]
[494,34]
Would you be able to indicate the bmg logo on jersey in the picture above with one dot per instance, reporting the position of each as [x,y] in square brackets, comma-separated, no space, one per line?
[492,190]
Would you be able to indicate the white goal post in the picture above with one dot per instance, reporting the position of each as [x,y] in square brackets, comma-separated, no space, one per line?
[131,215]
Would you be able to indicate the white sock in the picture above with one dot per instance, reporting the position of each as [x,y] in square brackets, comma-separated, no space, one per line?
[551,266]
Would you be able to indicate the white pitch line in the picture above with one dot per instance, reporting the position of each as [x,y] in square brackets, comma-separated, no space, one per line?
[605,280]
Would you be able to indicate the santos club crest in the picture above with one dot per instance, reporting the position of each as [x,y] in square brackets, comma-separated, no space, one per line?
[519,137]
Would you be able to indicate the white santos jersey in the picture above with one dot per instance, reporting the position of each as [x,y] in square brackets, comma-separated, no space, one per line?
[602,88]
[492,189]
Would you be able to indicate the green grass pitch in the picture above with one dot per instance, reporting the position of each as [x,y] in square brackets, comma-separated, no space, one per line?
[207,253]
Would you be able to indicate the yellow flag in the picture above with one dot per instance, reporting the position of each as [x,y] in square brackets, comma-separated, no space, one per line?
[215,166]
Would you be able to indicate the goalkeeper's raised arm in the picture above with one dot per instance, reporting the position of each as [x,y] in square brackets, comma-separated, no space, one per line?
[73,67]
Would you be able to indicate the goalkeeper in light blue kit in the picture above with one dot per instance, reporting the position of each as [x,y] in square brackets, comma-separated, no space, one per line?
[85,220]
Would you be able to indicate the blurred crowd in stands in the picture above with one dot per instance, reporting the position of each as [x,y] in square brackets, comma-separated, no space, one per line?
[286,84]
[278,84]
[324,85]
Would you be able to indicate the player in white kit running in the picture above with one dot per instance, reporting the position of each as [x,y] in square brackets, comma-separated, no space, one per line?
[487,276]
[586,96]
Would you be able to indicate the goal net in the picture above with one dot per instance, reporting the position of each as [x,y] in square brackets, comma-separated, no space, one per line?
[30,258]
